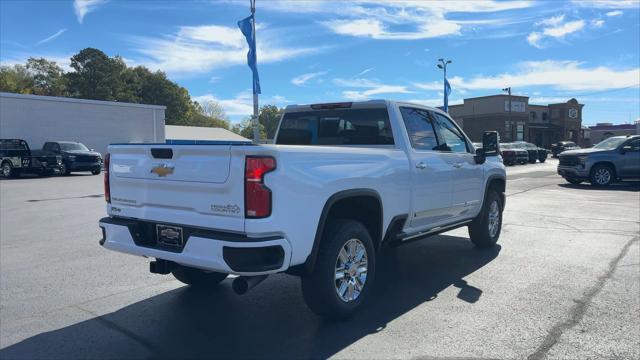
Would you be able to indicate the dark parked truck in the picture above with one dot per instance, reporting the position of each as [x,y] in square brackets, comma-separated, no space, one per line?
[16,158]
[561,146]
[75,156]
[616,158]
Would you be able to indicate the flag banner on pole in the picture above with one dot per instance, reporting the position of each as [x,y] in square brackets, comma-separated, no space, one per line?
[246,26]
[447,91]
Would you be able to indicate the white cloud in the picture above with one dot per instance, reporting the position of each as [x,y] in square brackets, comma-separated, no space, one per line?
[435,102]
[608,4]
[597,23]
[552,21]
[302,79]
[198,49]
[615,13]
[365,71]
[399,19]
[83,7]
[555,27]
[241,105]
[559,75]
[373,88]
[49,38]
[434,85]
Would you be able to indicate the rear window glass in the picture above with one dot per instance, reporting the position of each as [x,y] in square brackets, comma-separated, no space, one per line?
[336,127]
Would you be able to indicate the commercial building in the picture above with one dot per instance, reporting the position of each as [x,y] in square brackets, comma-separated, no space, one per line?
[542,125]
[97,124]
[606,130]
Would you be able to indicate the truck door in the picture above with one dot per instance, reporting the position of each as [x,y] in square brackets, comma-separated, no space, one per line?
[431,172]
[467,175]
[630,164]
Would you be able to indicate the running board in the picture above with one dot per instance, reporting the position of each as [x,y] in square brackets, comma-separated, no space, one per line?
[402,237]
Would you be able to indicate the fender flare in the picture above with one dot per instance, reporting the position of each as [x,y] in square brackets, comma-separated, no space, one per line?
[310,263]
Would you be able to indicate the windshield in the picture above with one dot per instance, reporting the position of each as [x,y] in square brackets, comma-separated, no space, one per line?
[610,143]
[506,146]
[73,146]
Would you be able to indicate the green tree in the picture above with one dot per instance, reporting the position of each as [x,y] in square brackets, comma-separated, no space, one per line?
[245,128]
[269,119]
[156,89]
[47,77]
[16,79]
[95,76]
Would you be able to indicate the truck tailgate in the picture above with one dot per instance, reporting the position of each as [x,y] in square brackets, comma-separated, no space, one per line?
[198,185]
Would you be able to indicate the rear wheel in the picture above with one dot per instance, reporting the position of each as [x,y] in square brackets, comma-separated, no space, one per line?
[484,231]
[573,181]
[601,175]
[7,170]
[96,171]
[343,276]
[196,277]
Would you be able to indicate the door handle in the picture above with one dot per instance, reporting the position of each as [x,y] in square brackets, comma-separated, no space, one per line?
[457,165]
[421,165]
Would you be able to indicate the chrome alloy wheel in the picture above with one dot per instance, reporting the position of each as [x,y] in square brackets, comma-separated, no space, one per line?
[602,176]
[494,218]
[351,270]
[6,170]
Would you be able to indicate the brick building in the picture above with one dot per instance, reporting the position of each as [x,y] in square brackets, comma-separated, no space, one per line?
[542,125]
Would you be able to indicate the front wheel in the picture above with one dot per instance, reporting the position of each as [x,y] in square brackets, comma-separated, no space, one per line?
[343,276]
[64,170]
[95,171]
[196,277]
[484,231]
[601,175]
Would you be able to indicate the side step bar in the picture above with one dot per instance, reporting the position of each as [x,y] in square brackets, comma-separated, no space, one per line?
[402,238]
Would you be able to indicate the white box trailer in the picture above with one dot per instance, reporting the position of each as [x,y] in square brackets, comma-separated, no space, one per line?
[97,124]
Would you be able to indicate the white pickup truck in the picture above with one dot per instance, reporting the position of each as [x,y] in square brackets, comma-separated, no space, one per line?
[342,182]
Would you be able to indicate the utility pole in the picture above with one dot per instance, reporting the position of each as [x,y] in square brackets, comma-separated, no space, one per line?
[256,111]
[443,66]
[508,90]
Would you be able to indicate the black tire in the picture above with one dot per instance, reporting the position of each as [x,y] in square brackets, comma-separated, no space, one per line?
[64,170]
[479,230]
[7,170]
[96,171]
[196,277]
[320,289]
[543,159]
[573,181]
[601,175]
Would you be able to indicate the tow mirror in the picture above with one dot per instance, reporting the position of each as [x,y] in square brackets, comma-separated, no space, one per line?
[491,143]
[480,157]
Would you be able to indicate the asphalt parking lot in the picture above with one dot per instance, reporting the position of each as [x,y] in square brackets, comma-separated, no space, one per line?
[564,283]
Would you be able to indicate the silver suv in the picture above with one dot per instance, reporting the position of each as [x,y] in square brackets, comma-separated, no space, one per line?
[616,158]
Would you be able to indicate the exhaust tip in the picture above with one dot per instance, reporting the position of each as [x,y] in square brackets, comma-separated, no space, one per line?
[240,286]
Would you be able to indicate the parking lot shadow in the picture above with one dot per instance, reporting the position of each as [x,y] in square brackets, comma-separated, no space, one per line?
[620,186]
[269,322]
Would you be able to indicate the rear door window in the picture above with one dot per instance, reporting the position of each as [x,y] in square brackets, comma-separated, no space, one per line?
[336,127]
[419,128]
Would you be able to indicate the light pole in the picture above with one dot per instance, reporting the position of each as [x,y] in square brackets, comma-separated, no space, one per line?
[508,90]
[443,66]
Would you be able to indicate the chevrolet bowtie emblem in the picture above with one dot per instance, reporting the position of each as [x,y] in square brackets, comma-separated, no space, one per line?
[162,170]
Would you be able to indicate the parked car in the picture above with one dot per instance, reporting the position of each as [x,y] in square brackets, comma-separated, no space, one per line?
[532,150]
[16,158]
[75,156]
[342,182]
[561,146]
[616,158]
[542,154]
[512,155]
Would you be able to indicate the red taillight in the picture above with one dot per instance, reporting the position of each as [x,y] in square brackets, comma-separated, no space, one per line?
[331,106]
[257,197]
[107,189]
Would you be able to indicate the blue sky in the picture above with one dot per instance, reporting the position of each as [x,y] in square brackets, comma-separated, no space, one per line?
[318,51]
